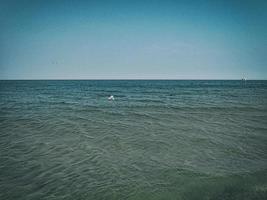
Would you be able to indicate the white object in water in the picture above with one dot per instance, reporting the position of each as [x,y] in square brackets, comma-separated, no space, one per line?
[111,97]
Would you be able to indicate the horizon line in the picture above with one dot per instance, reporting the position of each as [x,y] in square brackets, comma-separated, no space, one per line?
[129,79]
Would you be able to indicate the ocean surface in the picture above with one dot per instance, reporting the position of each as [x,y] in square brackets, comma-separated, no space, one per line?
[158,140]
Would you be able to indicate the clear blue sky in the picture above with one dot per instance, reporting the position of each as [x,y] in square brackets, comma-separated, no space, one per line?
[45,39]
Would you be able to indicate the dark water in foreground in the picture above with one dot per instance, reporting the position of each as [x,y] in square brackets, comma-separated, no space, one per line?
[156,140]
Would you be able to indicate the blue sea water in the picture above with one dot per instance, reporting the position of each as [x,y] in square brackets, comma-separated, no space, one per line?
[158,139]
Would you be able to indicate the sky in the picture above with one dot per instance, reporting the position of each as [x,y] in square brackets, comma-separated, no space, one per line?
[165,39]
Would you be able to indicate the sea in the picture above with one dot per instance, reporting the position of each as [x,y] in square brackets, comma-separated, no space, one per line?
[156,140]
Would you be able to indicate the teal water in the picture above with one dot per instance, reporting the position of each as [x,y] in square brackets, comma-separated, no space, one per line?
[156,140]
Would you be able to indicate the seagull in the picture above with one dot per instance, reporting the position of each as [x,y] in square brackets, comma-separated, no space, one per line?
[111,97]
